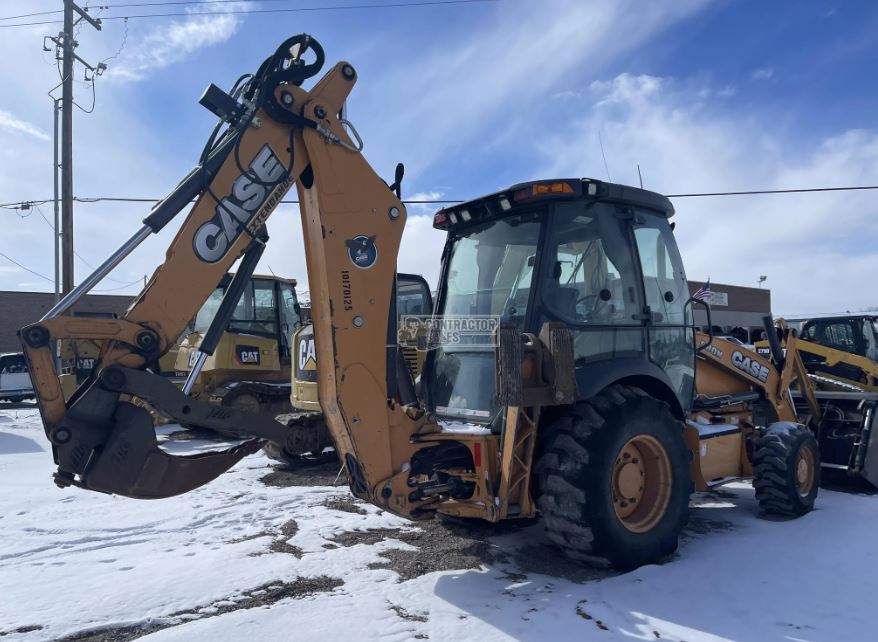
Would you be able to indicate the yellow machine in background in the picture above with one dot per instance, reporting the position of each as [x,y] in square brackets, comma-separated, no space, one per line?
[842,349]
[79,356]
[413,299]
[841,356]
[250,368]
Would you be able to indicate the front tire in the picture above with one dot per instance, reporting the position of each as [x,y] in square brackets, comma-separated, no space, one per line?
[786,466]
[613,479]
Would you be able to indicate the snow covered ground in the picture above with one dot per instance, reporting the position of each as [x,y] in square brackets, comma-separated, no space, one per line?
[242,559]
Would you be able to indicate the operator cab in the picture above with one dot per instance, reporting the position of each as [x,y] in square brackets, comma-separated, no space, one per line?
[854,334]
[268,307]
[599,257]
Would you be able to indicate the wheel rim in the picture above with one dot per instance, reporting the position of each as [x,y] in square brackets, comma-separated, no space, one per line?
[805,472]
[641,483]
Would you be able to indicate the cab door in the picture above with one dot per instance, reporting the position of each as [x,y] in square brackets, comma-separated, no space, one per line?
[669,326]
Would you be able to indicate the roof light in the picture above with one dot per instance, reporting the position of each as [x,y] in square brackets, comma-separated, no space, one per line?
[465,215]
[504,204]
[453,218]
[538,190]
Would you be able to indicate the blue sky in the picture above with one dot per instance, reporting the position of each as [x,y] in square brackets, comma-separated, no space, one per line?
[703,95]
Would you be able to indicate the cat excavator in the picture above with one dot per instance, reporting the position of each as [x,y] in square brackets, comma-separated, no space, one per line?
[563,375]
[413,300]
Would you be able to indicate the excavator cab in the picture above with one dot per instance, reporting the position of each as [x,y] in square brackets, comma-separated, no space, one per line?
[250,366]
[596,257]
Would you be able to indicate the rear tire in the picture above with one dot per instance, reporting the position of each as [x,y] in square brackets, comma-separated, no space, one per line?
[589,469]
[786,465]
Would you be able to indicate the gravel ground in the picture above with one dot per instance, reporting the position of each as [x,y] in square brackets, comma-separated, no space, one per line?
[320,475]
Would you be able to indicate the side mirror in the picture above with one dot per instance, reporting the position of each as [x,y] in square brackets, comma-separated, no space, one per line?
[693,301]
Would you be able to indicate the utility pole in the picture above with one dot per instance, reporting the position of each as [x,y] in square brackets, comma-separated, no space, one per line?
[68,45]
[56,231]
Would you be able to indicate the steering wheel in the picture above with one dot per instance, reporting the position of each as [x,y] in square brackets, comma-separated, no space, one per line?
[593,302]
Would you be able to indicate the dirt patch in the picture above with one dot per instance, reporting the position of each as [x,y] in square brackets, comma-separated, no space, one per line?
[541,557]
[22,629]
[581,612]
[345,503]
[247,538]
[261,596]
[282,546]
[371,536]
[117,634]
[441,547]
[406,615]
[321,475]
[703,525]
[274,592]
[289,528]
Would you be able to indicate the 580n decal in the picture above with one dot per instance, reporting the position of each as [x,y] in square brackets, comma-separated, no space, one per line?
[239,209]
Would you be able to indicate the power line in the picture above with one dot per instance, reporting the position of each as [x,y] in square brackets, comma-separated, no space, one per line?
[124,5]
[777,191]
[75,253]
[15,205]
[26,269]
[121,287]
[189,14]
[19,205]
[43,276]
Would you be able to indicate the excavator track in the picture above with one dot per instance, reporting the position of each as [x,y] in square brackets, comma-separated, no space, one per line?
[309,445]
[254,397]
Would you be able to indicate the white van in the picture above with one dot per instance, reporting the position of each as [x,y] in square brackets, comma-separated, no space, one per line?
[15,383]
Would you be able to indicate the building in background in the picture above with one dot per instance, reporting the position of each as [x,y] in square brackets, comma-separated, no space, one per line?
[18,309]
[735,310]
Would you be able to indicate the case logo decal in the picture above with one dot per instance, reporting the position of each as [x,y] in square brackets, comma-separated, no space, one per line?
[239,209]
[362,251]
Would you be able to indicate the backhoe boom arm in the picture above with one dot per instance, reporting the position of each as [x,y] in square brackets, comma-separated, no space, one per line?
[279,135]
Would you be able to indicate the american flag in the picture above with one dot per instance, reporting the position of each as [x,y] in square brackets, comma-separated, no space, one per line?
[703,293]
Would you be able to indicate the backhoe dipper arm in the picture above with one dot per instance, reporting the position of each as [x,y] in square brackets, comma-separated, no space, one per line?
[278,134]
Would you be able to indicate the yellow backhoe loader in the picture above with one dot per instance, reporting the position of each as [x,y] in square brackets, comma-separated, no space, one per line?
[564,376]
[841,356]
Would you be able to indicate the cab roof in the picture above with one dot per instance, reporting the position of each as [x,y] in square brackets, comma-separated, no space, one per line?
[498,203]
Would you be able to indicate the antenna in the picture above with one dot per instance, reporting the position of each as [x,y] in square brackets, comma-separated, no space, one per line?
[639,175]
[272,271]
[604,156]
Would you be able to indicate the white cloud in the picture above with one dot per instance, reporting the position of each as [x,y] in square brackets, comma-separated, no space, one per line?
[474,91]
[173,42]
[763,73]
[423,208]
[813,247]
[11,123]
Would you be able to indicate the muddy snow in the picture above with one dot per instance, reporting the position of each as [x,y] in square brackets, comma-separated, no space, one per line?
[264,554]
